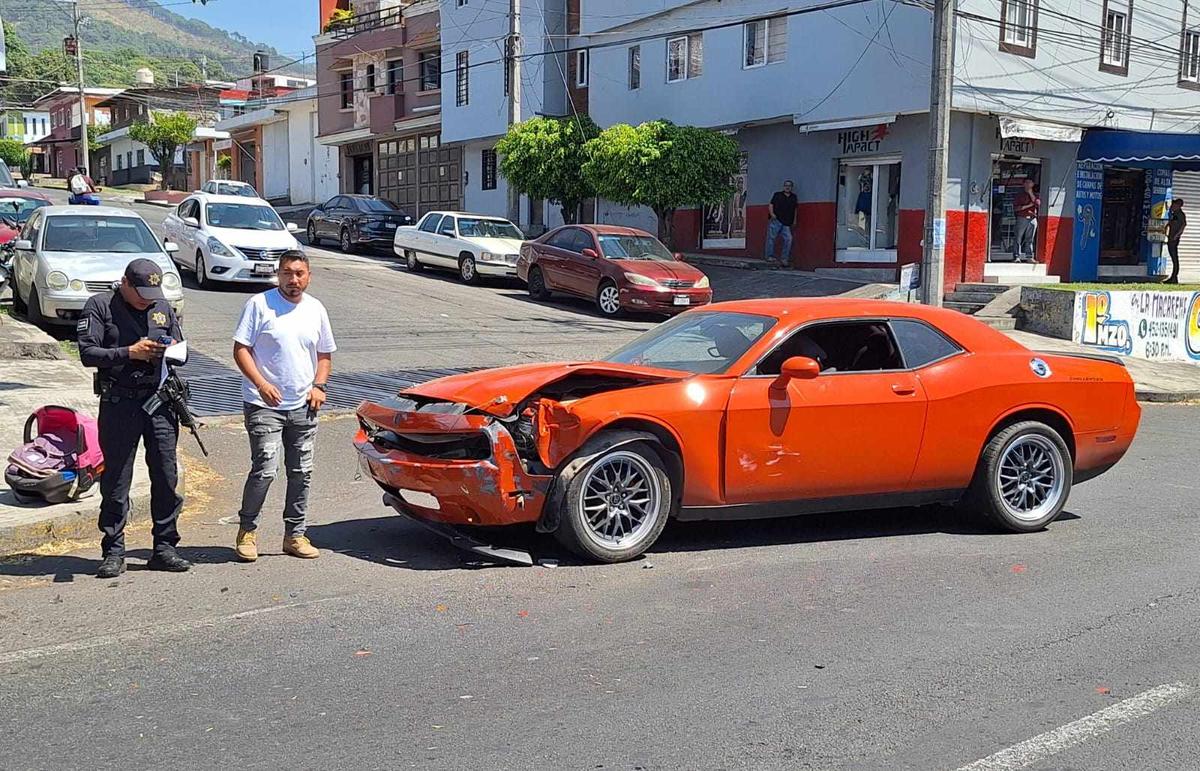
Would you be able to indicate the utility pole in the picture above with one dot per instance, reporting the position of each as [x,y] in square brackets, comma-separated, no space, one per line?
[933,265]
[84,155]
[514,95]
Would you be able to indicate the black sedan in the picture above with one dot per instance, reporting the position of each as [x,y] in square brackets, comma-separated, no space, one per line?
[355,221]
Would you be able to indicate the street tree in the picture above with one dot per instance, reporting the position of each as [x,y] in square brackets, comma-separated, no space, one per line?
[542,158]
[662,166]
[164,134]
[14,153]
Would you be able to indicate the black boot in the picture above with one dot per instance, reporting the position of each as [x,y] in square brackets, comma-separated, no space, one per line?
[111,566]
[169,562]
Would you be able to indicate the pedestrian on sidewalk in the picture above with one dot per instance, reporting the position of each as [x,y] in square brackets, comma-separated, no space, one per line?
[284,347]
[119,335]
[1026,206]
[782,211]
[1175,227]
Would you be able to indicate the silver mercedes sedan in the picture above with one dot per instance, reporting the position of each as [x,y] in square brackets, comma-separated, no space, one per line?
[66,254]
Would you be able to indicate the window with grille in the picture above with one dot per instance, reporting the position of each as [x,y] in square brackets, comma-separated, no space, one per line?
[370,78]
[1018,27]
[430,64]
[635,68]
[1189,56]
[1114,39]
[489,170]
[462,78]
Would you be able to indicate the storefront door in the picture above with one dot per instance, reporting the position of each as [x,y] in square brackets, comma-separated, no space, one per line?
[364,175]
[1121,217]
[868,207]
[1008,179]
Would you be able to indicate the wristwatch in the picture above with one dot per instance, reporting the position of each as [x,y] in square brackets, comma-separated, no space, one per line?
[321,386]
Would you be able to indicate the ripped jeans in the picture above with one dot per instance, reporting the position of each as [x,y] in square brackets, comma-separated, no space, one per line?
[268,430]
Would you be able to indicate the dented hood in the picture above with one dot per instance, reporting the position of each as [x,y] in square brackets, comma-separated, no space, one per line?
[499,391]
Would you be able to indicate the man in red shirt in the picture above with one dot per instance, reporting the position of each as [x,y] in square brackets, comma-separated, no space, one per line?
[1026,206]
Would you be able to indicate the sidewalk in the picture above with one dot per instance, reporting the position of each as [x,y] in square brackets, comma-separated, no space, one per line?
[1155,381]
[26,384]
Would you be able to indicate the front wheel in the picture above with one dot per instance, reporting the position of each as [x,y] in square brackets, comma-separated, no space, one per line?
[537,285]
[467,271]
[313,238]
[608,299]
[19,305]
[1024,478]
[33,310]
[345,243]
[616,507]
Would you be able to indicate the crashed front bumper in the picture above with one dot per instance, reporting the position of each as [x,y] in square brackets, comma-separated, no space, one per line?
[490,491]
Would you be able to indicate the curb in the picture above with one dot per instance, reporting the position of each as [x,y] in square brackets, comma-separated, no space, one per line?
[1166,397]
[21,340]
[76,522]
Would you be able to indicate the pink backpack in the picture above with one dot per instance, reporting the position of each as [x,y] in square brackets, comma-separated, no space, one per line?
[59,463]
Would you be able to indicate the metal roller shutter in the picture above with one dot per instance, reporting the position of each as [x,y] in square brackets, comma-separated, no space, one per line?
[1186,185]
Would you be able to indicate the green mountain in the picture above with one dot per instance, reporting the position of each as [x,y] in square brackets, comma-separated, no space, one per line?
[119,36]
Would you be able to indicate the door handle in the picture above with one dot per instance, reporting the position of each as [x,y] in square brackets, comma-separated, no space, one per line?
[903,390]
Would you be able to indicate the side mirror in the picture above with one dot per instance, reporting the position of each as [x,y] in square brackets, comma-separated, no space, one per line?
[23,245]
[191,222]
[170,247]
[590,254]
[679,256]
[796,368]
[292,227]
[22,183]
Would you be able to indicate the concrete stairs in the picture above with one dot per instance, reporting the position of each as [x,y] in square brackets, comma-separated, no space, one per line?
[1017,274]
[990,303]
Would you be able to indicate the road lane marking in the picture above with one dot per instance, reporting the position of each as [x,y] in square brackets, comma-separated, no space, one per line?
[1064,737]
[161,630]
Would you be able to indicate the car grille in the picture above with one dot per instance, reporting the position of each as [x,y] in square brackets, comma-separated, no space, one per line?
[99,286]
[261,255]
[676,283]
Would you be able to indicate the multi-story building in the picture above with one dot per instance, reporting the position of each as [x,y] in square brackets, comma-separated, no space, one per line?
[24,125]
[476,90]
[379,81]
[837,101]
[124,161]
[60,147]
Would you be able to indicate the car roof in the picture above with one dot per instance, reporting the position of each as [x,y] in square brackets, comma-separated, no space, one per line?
[214,198]
[23,192]
[237,182]
[613,230]
[91,211]
[470,214]
[967,331]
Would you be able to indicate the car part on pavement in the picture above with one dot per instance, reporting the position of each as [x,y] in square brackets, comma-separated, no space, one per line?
[461,539]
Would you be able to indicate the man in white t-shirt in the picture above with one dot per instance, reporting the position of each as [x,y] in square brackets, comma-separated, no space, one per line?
[284,347]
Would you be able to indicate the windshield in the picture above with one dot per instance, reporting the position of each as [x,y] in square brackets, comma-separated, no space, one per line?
[245,191]
[477,228]
[243,216]
[634,248]
[98,233]
[701,343]
[376,204]
[18,209]
[6,177]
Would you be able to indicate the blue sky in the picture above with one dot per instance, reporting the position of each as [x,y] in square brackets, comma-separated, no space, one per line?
[286,24]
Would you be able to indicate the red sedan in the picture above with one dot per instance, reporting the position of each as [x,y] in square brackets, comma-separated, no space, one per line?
[620,269]
[15,208]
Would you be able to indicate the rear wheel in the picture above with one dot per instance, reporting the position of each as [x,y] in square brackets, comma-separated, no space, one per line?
[1024,478]
[608,299]
[537,285]
[411,262]
[466,269]
[617,506]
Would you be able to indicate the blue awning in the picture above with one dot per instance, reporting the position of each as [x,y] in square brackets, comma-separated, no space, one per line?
[1139,147]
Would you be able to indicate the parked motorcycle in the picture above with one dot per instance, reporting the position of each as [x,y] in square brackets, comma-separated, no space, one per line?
[7,253]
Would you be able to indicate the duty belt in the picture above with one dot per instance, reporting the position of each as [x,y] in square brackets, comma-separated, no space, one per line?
[115,393]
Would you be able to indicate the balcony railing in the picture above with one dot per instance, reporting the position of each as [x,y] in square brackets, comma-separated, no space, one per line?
[386,109]
[367,22]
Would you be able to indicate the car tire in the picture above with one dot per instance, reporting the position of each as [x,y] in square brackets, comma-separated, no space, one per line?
[202,279]
[19,306]
[599,536]
[411,262]
[468,273]
[537,285]
[344,242]
[1023,479]
[313,238]
[608,299]
[33,309]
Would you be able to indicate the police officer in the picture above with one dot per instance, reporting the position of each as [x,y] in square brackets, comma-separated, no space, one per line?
[119,334]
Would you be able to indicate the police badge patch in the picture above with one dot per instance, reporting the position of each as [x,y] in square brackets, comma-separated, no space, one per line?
[158,318]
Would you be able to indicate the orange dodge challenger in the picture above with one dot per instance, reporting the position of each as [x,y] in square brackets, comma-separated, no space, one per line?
[754,409]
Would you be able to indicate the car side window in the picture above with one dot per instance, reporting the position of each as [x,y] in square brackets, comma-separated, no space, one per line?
[583,240]
[191,208]
[564,239]
[32,228]
[335,203]
[921,344]
[181,210]
[447,228]
[430,223]
[842,346]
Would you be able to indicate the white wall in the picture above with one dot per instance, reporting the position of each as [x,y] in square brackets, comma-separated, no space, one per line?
[276,163]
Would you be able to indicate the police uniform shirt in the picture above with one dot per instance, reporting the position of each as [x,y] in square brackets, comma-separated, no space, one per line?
[109,325]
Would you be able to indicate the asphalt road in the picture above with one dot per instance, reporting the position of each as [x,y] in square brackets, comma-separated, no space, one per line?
[904,639]
[895,639]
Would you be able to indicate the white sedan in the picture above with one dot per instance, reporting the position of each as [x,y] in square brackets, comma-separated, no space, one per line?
[474,245]
[66,254]
[228,238]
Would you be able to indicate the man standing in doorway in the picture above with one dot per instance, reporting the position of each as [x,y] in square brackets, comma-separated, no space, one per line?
[1026,206]
[783,217]
[284,347]
[1175,227]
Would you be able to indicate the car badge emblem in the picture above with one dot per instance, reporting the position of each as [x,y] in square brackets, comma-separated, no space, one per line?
[1040,368]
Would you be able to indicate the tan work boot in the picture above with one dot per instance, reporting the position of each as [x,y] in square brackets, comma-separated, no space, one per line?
[247,545]
[299,546]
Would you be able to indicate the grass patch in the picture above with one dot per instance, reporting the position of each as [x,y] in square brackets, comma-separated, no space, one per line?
[1115,287]
[70,348]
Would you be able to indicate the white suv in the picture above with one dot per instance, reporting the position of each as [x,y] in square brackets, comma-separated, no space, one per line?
[229,238]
